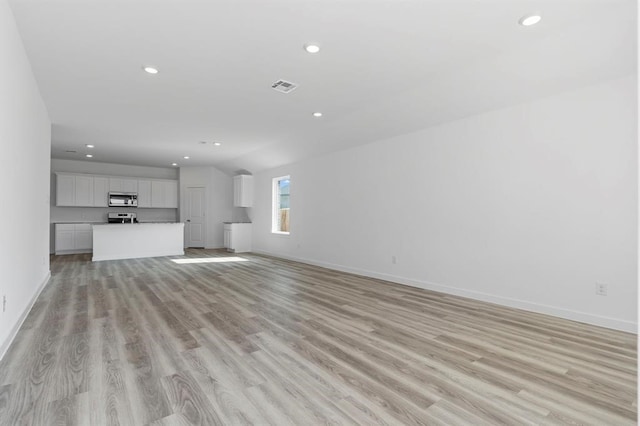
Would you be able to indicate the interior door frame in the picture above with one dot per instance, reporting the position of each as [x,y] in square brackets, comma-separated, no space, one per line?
[187,215]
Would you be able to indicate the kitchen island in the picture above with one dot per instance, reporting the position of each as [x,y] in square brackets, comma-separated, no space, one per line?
[135,240]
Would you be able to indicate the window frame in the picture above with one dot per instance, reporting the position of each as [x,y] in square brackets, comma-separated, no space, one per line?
[275,204]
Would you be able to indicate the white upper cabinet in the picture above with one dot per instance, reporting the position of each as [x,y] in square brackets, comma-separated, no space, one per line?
[164,194]
[157,193]
[74,190]
[144,193]
[118,184]
[243,191]
[65,190]
[82,190]
[100,191]
[171,194]
[130,185]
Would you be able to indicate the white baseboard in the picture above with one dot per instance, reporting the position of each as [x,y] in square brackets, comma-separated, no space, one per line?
[602,321]
[23,316]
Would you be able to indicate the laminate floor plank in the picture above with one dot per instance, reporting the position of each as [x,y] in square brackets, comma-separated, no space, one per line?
[271,341]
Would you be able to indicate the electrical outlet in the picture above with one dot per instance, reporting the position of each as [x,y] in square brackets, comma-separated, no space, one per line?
[393,260]
[4,303]
[601,289]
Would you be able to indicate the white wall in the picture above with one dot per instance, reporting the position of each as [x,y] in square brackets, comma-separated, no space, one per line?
[527,206]
[25,141]
[99,214]
[219,200]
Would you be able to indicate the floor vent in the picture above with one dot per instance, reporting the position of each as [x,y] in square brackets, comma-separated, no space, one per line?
[284,86]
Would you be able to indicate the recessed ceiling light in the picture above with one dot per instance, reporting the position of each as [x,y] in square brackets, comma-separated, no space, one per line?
[217,143]
[186,157]
[174,164]
[151,70]
[312,48]
[317,114]
[89,156]
[89,146]
[529,20]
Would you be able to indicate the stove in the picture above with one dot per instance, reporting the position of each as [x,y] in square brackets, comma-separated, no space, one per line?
[122,218]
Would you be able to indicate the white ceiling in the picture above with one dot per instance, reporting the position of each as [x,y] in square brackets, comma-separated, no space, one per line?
[386,68]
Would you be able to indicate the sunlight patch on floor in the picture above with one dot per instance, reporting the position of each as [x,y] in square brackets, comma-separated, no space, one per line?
[211,260]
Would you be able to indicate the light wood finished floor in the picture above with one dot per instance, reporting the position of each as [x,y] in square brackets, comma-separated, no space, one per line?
[151,341]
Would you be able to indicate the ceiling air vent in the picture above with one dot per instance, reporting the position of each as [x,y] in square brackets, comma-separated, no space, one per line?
[284,86]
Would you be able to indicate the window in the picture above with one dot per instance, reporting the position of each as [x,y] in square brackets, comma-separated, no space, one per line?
[280,218]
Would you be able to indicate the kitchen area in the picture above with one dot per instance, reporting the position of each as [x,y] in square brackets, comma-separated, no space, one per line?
[121,216]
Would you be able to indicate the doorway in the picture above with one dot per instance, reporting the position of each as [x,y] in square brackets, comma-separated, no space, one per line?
[195,225]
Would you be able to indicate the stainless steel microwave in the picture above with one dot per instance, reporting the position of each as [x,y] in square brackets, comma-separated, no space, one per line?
[123,199]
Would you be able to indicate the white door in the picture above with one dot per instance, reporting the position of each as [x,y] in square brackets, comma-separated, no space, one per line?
[195,223]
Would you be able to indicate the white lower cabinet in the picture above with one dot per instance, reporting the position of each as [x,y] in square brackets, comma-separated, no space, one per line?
[65,237]
[237,237]
[73,238]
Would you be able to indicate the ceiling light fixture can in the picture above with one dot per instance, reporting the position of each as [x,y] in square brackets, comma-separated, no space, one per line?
[312,48]
[150,70]
[186,157]
[174,164]
[217,143]
[89,145]
[89,156]
[529,20]
[317,114]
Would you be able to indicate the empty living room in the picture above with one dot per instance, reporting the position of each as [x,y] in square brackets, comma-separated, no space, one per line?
[302,212]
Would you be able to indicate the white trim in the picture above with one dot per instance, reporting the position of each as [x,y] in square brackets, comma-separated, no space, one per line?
[14,331]
[601,321]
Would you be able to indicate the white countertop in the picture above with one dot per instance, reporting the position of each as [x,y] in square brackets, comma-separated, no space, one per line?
[124,225]
[80,222]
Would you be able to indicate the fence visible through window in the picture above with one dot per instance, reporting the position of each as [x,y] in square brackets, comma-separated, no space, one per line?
[281,205]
